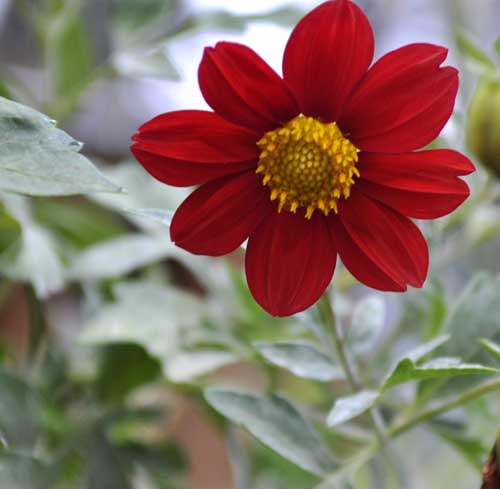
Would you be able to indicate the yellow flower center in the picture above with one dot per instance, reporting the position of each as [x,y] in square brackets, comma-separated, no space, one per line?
[309,164]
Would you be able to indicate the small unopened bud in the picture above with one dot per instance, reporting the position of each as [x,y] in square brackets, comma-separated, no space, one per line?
[483,130]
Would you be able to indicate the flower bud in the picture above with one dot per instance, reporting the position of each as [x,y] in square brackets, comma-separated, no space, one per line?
[483,130]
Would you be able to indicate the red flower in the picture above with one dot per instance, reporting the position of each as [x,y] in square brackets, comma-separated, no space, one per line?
[319,162]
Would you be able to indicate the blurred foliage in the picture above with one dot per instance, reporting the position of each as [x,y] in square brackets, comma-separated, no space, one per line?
[119,337]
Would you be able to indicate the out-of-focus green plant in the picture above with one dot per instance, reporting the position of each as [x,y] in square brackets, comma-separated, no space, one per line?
[120,336]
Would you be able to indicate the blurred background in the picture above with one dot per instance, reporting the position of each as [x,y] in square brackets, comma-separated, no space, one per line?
[109,333]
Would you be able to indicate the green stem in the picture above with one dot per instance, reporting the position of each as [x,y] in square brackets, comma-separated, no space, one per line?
[446,405]
[347,365]
[329,317]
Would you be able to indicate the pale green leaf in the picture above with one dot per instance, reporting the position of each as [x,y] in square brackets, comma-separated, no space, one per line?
[69,49]
[158,215]
[117,257]
[303,359]
[407,371]
[151,316]
[467,46]
[367,321]
[346,408]
[19,411]
[22,472]
[187,365]
[424,349]
[146,199]
[492,347]
[276,423]
[36,158]
[38,260]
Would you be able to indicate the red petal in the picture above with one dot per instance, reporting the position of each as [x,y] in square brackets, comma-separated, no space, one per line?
[191,147]
[216,218]
[379,246]
[403,102]
[423,185]
[289,262]
[240,86]
[327,54]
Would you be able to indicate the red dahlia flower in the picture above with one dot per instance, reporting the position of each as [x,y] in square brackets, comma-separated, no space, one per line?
[319,162]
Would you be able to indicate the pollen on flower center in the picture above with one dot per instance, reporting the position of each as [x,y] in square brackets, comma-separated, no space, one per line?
[309,164]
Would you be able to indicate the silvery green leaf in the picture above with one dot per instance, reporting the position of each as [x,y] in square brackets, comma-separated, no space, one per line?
[146,199]
[20,472]
[406,370]
[276,423]
[36,158]
[38,260]
[346,408]
[367,322]
[187,365]
[424,349]
[146,314]
[158,215]
[302,358]
[118,256]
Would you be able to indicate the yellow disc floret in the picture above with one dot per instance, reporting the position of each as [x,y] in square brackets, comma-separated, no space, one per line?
[309,164]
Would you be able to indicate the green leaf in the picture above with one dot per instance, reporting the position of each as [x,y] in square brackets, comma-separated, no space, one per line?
[424,349]
[69,50]
[276,423]
[346,408]
[19,411]
[406,370]
[36,158]
[21,472]
[145,197]
[158,215]
[491,346]
[367,321]
[497,46]
[117,257]
[146,63]
[467,46]
[152,316]
[10,231]
[303,359]
[475,314]
[124,367]
[38,261]
[187,365]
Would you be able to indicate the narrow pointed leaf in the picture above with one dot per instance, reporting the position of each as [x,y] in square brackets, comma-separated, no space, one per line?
[346,408]
[276,423]
[406,370]
[491,347]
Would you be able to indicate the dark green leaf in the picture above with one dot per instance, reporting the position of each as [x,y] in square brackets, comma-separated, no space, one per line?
[277,424]
[407,371]
[10,231]
[124,367]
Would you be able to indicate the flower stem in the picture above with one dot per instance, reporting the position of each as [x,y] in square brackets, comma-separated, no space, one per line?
[348,367]
[329,316]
